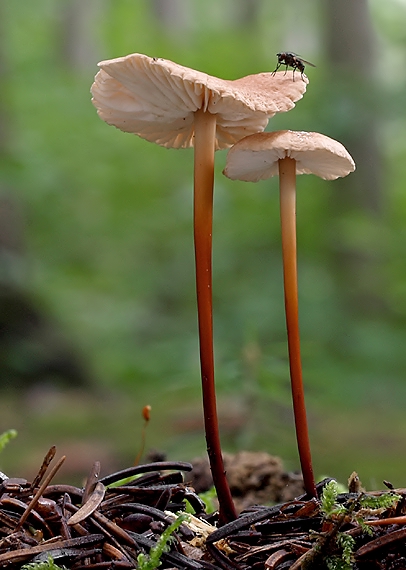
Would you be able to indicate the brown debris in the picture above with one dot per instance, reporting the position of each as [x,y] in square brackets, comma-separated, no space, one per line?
[90,505]
[109,522]
[95,527]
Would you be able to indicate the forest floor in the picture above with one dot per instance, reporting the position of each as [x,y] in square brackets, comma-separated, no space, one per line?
[141,517]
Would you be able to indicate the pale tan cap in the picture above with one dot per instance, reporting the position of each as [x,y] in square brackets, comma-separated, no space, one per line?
[156,100]
[256,157]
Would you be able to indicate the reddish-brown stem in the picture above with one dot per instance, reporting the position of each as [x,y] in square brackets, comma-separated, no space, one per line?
[205,131]
[287,184]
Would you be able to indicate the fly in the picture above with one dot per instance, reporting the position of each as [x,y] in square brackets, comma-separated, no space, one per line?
[292,60]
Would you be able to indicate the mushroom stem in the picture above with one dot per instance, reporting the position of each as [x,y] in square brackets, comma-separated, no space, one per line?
[205,132]
[287,182]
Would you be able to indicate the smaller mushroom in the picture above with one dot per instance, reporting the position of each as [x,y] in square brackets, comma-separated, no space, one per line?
[288,153]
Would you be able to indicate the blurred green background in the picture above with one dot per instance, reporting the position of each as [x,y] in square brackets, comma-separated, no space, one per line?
[97,299]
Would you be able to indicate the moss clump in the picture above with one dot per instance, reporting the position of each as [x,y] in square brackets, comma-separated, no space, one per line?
[153,560]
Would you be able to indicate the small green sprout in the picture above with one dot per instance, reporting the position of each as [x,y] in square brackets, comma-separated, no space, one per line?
[347,544]
[152,560]
[124,481]
[46,565]
[6,437]
[344,562]
[383,501]
[209,498]
[337,563]
[329,504]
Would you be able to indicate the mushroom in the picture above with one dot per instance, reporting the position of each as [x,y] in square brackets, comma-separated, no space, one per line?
[178,107]
[288,153]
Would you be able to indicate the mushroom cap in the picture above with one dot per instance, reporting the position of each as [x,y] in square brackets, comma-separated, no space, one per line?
[156,100]
[256,157]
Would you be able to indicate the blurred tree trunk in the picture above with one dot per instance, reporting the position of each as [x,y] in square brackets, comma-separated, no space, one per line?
[351,51]
[177,14]
[246,12]
[173,15]
[4,115]
[350,47]
[77,42]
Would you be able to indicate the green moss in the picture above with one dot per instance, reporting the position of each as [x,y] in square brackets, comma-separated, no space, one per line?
[337,513]
[47,565]
[153,560]
[329,505]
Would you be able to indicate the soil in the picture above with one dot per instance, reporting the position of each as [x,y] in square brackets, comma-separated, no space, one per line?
[255,478]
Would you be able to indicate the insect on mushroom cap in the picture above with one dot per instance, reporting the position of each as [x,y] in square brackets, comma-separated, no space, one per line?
[156,99]
[256,157]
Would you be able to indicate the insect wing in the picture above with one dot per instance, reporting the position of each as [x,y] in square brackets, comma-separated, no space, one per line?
[302,60]
[307,62]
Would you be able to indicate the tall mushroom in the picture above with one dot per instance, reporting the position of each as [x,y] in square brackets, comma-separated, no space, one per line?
[178,107]
[288,153]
